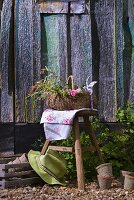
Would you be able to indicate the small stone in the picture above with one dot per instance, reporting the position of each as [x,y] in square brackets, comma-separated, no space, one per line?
[34,189]
[118,191]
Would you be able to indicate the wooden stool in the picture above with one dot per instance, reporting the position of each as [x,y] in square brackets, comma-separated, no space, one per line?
[78,151]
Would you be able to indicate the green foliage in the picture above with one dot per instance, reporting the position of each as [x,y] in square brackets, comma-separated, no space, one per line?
[53,84]
[38,144]
[126,117]
[50,83]
[89,159]
[117,147]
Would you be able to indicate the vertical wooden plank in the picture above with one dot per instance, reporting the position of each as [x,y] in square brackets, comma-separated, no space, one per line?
[37,110]
[50,43]
[54,43]
[77,7]
[63,59]
[24,57]
[81,48]
[119,51]
[1,4]
[127,50]
[131,26]
[104,17]
[5,68]
[0,61]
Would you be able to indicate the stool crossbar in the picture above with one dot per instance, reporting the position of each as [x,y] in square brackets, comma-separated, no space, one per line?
[77,145]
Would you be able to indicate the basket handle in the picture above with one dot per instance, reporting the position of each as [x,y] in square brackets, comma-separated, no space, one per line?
[72,81]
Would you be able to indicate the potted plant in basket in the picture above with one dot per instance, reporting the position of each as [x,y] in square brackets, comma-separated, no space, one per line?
[62,96]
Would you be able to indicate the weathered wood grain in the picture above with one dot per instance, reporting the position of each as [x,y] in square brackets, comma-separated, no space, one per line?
[53,7]
[3,174]
[37,109]
[78,7]
[48,6]
[19,182]
[118,51]
[127,48]
[6,94]
[131,27]
[63,58]
[24,59]
[104,17]
[81,48]
[16,175]
[54,43]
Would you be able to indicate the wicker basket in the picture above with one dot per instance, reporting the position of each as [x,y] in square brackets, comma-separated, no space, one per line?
[58,102]
[81,100]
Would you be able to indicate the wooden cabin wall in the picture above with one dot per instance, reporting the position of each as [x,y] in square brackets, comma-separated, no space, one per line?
[95,39]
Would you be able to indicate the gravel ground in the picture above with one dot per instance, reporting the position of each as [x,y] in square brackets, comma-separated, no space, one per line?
[46,192]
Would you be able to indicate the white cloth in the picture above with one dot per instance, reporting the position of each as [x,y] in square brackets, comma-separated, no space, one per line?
[58,124]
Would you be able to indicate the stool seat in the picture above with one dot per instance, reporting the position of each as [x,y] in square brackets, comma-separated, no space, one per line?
[77,145]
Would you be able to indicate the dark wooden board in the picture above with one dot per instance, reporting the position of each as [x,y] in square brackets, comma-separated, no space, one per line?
[16,175]
[6,107]
[76,7]
[131,27]
[19,182]
[81,48]
[104,16]
[118,12]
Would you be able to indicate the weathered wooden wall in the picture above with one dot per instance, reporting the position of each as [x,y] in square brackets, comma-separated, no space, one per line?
[85,38]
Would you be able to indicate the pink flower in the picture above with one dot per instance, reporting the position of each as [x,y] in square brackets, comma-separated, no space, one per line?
[67,121]
[50,118]
[74,92]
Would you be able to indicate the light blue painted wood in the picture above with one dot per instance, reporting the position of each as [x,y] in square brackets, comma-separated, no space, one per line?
[54,43]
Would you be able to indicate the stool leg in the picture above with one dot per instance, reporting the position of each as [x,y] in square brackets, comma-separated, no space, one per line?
[90,131]
[43,151]
[78,156]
